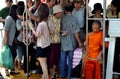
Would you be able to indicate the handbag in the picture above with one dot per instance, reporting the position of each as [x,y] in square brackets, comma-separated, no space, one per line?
[77,63]
[77,57]
[6,59]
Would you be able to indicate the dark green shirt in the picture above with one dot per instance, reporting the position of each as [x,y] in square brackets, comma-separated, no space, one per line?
[4,12]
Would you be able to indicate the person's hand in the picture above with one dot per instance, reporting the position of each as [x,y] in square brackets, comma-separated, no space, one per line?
[80,45]
[27,10]
[30,25]
[64,33]
[1,19]
[83,75]
[6,42]
[23,23]
[85,43]
[99,57]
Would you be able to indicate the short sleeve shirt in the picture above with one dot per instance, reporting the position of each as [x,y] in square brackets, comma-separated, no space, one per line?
[44,39]
[10,26]
[69,24]
[4,12]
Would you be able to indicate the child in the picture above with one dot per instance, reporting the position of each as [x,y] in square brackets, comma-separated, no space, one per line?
[92,64]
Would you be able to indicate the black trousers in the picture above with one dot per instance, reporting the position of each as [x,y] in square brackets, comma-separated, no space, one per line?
[31,58]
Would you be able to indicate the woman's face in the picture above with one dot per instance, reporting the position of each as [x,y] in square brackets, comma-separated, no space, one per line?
[113,8]
[95,27]
[29,3]
[58,15]
[98,11]
[20,17]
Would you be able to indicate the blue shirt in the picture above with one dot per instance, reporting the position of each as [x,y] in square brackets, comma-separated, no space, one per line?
[79,15]
[10,26]
[69,24]
[19,28]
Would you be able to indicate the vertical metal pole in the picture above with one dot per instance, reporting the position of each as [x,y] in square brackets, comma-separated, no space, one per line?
[104,20]
[27,61]
[27,57]
[26,39]
[87,25]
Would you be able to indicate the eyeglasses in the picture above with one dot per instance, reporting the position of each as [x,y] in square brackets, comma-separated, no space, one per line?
[77,2]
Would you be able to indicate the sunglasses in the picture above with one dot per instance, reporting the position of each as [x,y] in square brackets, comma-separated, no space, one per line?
[77,2]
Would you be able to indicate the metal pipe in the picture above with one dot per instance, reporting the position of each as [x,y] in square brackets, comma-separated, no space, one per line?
[86,25]
[26,34]
[104,20]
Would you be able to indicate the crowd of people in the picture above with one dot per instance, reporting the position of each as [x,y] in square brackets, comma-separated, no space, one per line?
[56,29]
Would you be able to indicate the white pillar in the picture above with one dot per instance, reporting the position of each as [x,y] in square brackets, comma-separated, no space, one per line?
[109,71]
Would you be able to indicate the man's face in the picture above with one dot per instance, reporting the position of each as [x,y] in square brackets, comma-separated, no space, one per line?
[9,3]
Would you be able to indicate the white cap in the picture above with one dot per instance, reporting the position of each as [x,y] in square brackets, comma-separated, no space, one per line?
[57,9]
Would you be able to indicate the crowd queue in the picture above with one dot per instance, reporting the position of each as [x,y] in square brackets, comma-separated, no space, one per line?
[57,29]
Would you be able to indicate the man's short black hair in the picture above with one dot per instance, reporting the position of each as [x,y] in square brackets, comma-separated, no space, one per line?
[69,7]
[8,0]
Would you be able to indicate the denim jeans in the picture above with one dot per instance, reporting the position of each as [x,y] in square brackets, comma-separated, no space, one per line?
[19,52]
[66,63]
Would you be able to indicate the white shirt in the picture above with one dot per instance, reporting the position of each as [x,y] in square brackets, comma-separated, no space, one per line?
[44,32]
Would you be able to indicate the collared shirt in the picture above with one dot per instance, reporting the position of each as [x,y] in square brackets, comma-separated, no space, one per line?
[69,24]
[79,15]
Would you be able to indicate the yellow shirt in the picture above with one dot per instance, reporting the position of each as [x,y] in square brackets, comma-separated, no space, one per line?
[109,15]
[55,37]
